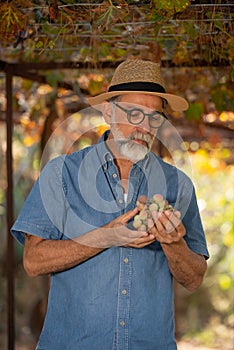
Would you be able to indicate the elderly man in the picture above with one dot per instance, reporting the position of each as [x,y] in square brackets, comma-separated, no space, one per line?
[112,285]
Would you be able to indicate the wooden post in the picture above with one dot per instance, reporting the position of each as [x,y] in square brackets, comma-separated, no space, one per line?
[10,214]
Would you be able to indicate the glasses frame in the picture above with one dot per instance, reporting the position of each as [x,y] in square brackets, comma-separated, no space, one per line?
[149,115]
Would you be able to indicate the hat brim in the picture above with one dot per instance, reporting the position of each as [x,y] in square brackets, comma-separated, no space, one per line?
[175,102]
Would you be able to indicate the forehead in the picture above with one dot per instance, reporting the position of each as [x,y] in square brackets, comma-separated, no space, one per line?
[141,100]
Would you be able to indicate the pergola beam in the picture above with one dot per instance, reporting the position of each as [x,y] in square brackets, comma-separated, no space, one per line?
[10,213]
[21,67]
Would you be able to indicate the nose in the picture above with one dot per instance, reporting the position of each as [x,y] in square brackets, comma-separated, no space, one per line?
[144,126]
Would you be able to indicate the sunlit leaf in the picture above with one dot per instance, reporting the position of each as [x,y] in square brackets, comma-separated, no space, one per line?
[225,282]
[30,140]
[222,97]
[95,86]
[195,111]
[228,239]
[39,44]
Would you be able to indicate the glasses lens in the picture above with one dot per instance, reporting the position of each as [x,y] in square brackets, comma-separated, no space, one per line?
[136,116]
[156,120]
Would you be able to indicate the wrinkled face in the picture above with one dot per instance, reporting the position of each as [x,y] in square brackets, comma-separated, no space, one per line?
[132,131]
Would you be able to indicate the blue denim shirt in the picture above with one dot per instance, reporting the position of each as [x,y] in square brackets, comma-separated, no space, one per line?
[121,298]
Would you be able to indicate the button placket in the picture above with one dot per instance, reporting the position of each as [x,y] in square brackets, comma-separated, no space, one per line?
[116,188]
[136,176]
[124,294]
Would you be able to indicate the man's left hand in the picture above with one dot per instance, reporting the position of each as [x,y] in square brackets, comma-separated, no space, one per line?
[167,226]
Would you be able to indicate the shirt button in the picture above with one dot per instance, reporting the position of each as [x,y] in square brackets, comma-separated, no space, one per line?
[114,176]
[124,292]
[121,201]
[122,323]
[126,260]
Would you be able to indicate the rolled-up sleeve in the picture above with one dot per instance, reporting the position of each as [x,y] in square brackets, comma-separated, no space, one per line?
[44,211]
[195,236]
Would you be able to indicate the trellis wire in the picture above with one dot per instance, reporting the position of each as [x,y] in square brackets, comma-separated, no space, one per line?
[133,5]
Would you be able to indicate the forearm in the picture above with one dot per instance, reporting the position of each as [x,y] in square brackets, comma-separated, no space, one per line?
[43,256]
[47,256]
[187,267]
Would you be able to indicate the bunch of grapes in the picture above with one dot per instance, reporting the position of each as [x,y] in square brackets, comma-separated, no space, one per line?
[143,221]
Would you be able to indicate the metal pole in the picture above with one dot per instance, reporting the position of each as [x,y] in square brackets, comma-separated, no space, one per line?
[10,214]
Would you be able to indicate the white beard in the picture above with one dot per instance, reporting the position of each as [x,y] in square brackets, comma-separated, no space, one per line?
[130,149]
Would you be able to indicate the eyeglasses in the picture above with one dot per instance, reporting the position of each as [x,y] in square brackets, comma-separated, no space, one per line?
[136,116]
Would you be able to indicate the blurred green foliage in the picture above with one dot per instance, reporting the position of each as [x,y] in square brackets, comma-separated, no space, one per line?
[206,315]
[209,312]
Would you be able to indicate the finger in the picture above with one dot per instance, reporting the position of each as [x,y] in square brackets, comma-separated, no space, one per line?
[174,217]
[142,238]
[121,235]
[177,223]
[161,221]
[177,213]
[138,246]
[165,233]
[128,215]
[155,215]
[169,227]
[139,243]
[169,221]
[161,235]
[146,239]
[163,226]
[150,223]
[138,234]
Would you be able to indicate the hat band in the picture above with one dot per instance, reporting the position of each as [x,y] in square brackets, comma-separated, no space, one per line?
[137,86]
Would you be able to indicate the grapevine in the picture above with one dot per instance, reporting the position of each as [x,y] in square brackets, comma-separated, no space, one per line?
[11,21]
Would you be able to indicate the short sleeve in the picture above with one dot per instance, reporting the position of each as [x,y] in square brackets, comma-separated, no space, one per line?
[44,211]
[195,237]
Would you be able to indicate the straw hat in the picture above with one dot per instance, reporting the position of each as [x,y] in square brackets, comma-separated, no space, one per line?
[141,77]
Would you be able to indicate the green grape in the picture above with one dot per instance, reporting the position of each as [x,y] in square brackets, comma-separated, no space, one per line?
[168,207]
[161,206]
[153,207]
[158,198]
[144,220]
[137,217]
[143,215]
[137,223]
[150,223]
[140,205]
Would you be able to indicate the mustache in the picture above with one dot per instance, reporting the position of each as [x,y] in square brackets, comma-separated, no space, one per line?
[141,136]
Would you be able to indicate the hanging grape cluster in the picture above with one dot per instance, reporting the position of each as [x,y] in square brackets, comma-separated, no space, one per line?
[143,221]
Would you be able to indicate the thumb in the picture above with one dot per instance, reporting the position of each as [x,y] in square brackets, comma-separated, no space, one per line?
[129,215]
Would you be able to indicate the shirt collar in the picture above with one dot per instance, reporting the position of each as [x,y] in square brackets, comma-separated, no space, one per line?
[103,152]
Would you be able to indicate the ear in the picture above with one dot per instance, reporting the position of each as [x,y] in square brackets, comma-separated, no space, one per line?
[107,111]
